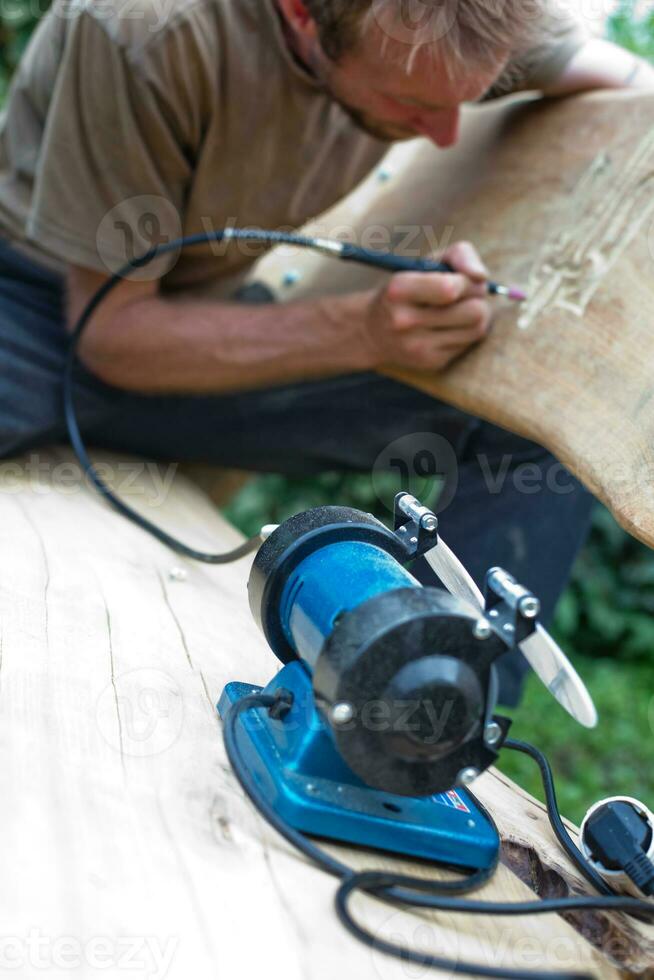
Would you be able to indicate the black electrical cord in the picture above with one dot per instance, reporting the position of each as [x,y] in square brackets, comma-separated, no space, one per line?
[398,889]
[565,840]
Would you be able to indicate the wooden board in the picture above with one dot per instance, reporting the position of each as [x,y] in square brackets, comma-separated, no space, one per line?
[126,844]
[558,196]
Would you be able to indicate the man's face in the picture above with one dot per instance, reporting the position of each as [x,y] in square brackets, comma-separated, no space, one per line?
[375,88]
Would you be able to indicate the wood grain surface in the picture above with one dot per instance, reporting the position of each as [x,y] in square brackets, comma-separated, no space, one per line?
[559,197]
[127,848]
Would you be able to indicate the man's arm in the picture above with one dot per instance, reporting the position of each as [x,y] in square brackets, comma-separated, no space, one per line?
[142,341]
[600,64]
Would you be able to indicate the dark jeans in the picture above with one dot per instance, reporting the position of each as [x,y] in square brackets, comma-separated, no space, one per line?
[511,503]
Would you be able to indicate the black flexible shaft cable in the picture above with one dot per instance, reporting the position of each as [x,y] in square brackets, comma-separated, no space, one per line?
[405,890]
[70,415]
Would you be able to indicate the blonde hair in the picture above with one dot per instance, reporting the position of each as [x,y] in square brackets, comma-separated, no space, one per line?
[461,31]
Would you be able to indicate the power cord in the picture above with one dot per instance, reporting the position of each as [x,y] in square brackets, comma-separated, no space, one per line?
[406,890]
[554,814]
[617,836]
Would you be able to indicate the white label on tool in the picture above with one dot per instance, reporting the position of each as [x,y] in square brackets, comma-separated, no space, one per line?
[451,799]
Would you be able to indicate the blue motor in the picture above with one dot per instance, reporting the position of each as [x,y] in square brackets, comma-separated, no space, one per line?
[401,675]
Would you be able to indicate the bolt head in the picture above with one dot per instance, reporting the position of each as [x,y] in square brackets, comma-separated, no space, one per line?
[482,629]
[492,734]
[341,713]
[429,522]
[529,606]
[467,776]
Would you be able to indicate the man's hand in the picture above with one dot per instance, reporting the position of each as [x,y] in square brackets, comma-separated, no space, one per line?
[424,320]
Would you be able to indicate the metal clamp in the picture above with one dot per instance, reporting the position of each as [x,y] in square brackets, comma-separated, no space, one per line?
[511,609]
[420,532]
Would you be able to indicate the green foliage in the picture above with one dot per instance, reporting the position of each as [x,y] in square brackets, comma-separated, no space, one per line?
[18,20]
[632,28]
[271,499]
[614,758]
[607,611]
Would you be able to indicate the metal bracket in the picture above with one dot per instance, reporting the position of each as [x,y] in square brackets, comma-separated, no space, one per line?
[510,608]
[415,526]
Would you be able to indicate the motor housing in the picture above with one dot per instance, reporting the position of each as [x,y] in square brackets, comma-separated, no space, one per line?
[402,677]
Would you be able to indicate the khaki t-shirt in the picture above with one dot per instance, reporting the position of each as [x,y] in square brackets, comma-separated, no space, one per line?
[131,122]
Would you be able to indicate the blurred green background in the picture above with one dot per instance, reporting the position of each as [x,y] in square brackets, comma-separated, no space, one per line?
[604,620]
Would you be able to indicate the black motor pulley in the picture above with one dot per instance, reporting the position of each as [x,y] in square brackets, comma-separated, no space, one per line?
[420,690]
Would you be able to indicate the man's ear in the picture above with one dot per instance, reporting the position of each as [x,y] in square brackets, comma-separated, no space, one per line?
[298,19]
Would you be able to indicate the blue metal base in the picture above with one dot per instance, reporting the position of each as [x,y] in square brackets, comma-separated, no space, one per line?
[296,765]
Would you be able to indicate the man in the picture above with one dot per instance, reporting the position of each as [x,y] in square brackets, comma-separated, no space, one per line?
[130,123]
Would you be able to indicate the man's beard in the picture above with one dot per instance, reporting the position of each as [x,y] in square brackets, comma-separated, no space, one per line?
[368,124]
[374,127]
